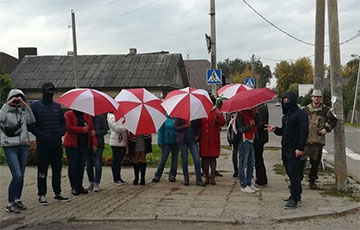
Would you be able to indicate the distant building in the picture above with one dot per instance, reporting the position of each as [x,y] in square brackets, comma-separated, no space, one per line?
[196,73]
[158,72]
[7,63]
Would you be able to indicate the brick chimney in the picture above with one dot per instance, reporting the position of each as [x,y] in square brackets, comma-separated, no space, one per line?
[23,51]
[132,51]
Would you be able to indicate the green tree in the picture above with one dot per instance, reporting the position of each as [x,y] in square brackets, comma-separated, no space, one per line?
[5,87]
[350,72]
[294,88]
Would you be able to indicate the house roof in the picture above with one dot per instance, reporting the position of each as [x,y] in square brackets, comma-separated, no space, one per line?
[7,62]
[196,73]
[100,71]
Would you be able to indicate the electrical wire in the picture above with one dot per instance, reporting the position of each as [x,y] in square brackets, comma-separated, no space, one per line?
[97,6]
[125,13]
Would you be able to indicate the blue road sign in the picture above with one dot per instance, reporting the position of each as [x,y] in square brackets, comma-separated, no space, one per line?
[250,82]
[214,76]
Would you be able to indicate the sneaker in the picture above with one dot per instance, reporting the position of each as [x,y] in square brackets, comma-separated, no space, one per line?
[61,198]
[247,189]
[83,190]
[186,182]
[90,187]
[218,174]
[254,188]
[200,183]
[96,187]
[75,192]
[155,180]
[291,204]
[12,208]
[312,185]
[120,182]
[20,205]
[172,179]
[289,198]
[42,201]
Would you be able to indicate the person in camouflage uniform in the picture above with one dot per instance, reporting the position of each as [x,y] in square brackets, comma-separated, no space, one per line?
[321,121]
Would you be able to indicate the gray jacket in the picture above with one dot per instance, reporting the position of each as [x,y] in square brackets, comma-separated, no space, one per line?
[10,115]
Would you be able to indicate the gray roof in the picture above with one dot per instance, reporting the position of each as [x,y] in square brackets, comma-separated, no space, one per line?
[102,71]
[196,73]
[7,63]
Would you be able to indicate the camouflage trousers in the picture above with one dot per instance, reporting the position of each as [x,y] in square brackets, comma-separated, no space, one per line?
[313,151]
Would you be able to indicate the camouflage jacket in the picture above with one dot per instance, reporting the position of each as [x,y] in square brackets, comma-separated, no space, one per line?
[319,118]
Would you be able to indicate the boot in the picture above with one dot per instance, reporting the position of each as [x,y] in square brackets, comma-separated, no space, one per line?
[136,173]
[143,172]
[213,171]
[205,162]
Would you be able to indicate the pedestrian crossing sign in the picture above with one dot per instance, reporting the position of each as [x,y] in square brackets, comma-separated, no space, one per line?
[214,76]
[250,82]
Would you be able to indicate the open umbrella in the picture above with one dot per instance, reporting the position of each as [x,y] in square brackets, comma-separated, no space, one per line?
[247,100]
[230,90]
[188,103]
[90,101]
[142,111]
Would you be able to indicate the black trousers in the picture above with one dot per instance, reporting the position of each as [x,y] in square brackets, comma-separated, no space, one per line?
[118,155]
[76,159]
[49,154]
[234,157]
[292,167]
[261,178]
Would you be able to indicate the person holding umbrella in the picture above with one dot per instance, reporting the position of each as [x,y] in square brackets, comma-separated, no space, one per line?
[79,139]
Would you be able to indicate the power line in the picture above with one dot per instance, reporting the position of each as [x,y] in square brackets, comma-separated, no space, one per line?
[125,13]
[278,28]
[97,6]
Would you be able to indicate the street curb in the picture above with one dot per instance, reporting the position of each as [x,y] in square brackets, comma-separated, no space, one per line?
[166,218]
[334,212]
[9,221]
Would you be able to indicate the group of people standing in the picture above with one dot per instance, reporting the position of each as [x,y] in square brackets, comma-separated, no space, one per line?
[84,145]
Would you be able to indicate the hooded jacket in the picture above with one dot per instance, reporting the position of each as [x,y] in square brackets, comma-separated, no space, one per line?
[295,125]
[10,116]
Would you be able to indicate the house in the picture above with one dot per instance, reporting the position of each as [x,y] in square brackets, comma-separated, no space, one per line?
[157,72]
[7,63]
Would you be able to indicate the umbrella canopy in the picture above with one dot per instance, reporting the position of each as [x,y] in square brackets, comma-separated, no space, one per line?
[232,89]
[188,103]
[90,101]
[142,111]
[247,100]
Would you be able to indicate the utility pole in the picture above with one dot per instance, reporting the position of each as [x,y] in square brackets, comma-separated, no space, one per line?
[213,42]
[356,94]
[337,101]
[319,44]
[252,71]
[75,47]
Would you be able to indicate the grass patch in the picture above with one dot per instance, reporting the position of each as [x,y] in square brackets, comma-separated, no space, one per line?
[272,148]
[331,190]
[226,147]
[154,158]
[353,125]
[279,169]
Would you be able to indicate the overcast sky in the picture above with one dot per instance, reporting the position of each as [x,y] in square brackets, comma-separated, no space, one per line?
[177,26]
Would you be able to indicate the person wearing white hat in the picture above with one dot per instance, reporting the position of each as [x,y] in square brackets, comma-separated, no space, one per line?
[321,121]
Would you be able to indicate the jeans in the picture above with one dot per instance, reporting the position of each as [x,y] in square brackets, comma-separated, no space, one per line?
[94,160]
[49,154]
[193,147]
[235,151]
[16,158]
[76,158]
[292,166]
[118,155]
[166,148]
[261,178]
[246,162]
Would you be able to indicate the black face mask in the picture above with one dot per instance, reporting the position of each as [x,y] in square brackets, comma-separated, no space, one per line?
[287,105]
[48,96]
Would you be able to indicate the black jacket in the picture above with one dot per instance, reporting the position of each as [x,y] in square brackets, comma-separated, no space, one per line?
[295,126]
[100,126]
[50,122]
[262,119]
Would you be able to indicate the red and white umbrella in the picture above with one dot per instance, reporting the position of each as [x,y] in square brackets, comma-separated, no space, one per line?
[247,100]
[142,111]
[90,101]
[232,89]
[188,103]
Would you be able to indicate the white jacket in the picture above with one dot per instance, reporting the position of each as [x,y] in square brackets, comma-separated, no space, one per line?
[117,129]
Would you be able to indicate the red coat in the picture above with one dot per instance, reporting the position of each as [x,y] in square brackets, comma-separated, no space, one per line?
[210,134]
[72,130]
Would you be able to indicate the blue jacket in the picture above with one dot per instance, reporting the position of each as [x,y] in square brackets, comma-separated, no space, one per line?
[50,122]
[167,134]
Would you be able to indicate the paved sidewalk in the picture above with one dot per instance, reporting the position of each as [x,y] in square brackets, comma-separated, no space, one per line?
[222,202]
